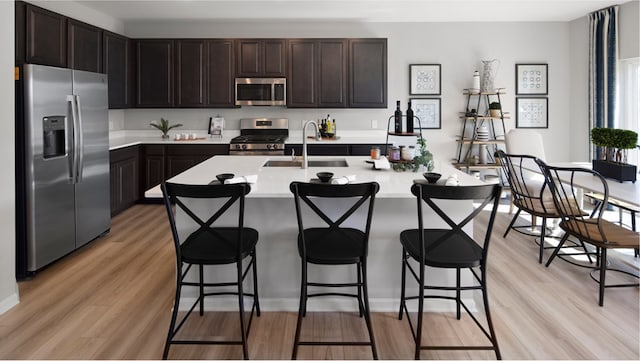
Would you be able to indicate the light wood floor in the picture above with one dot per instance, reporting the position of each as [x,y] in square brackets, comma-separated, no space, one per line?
[112,300]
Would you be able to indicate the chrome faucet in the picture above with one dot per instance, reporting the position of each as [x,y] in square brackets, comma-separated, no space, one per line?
[304,141]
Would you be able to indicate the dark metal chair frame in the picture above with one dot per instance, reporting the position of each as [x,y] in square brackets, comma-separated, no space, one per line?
[173,196]
[450,241]
[513,167]
[590,228]
[307,193]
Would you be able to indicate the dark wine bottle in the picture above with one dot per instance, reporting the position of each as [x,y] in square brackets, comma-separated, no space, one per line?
[397,118]
[409,119]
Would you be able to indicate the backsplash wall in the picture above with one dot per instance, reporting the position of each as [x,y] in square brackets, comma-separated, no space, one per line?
[458,47]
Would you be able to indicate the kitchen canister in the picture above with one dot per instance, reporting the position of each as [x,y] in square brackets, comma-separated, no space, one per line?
[407,153]
[394,153]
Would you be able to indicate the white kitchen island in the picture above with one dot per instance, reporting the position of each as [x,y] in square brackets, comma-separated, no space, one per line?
[269,208]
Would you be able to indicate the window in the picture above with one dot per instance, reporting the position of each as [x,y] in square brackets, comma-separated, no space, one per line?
[628,112]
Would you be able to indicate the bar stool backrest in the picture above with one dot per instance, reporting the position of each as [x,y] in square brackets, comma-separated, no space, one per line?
[428,193]
[178,195]
[312,195]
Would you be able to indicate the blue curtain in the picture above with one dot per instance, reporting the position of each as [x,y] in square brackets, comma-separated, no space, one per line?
[603,63]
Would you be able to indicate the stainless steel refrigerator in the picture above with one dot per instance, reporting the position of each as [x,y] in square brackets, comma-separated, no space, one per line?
[63,166]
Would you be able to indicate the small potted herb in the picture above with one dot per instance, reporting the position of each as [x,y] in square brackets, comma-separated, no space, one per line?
[495,109]
[164,127]
[613,145]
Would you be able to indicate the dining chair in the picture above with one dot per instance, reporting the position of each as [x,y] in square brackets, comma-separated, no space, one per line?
[520,141]
[448,247]
[591,228]
[341,240]
[529,193]
[210,245]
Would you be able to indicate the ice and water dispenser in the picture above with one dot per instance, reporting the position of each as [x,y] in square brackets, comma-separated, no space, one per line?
[53,134]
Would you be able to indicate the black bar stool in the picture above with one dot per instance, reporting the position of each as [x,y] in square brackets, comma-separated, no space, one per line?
[335,244]
[210,245]
[450,248]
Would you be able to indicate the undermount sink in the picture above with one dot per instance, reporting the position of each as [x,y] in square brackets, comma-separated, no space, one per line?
[282,163]
[312,163]
[328,163]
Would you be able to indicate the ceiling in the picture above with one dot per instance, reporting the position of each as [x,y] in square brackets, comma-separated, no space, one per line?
[349,10]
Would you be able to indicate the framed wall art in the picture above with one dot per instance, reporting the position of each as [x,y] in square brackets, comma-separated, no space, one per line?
[531,79]
[428,111]
[532,113]
[424,79]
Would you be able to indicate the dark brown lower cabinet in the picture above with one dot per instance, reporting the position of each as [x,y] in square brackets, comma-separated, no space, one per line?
[182,157]
[332,149]
[153,166]
[161,162]
[124,171]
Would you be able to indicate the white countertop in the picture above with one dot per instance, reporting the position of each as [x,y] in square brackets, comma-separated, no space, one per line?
[273,182]
[125,138]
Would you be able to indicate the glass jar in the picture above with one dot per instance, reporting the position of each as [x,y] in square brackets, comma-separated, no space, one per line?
[375,152]
[394,154]
[407,153]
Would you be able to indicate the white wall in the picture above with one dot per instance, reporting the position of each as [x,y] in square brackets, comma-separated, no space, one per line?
[630,30]
[459,47]
[8,286]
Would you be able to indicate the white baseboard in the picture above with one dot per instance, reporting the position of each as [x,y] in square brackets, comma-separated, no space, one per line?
[9,302]
[324,304]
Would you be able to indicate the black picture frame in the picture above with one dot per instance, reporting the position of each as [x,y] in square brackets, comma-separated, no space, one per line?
[532,79]
[425,79]
[428,111]
[532,112]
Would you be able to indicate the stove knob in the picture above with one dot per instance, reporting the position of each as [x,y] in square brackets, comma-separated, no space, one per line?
[237,146]
[269,146]
[244,146]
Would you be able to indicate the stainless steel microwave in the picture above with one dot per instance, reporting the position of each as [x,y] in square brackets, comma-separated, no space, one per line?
[261,91]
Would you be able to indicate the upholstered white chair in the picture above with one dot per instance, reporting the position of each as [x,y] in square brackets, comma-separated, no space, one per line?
[525,142]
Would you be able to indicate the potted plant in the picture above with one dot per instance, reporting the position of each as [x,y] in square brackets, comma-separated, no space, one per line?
[422,158]
[164,127]
[613,145]
[495,109]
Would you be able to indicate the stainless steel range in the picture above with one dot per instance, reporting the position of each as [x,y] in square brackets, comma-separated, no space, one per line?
[260,136]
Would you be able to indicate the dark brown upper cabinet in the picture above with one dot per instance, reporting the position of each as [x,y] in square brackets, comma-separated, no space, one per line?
[117,52]
[154,69]
[332,73]
[317,73]
[301,85]
[84,44]
[368,73]
[190,73]
[220,73]
[260,58]
[46,37]
[20,31]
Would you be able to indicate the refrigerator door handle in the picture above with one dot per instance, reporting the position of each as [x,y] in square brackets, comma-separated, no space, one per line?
[80,149]
[70,142]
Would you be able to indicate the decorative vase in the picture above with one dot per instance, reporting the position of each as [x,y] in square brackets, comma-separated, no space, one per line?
[483,154]
[476,82]
[489,71]
[165,136]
